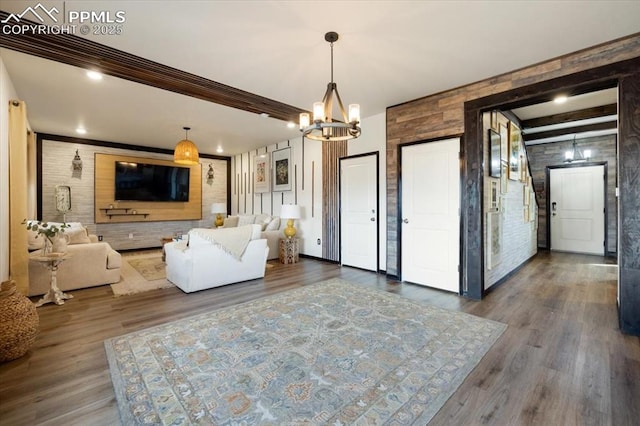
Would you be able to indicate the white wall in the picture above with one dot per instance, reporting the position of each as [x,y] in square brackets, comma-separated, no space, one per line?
[374,139]
[7,92]
[305,187]
[245,201]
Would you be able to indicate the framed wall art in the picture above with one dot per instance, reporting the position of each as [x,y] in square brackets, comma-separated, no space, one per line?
[524,166]
[261,172]
[515,141]
[504,177]
[533,207]
[494,240]
[494,198]
[494,153]
[281,169]
[504,143]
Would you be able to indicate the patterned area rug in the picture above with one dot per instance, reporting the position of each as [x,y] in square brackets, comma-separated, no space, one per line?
[133,281]
[151,268]
[330,353]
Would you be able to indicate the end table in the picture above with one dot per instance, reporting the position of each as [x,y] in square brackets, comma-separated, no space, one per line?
[163,241]
[51,262]
[289,249]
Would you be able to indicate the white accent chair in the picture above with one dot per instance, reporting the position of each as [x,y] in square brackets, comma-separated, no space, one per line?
[203,264]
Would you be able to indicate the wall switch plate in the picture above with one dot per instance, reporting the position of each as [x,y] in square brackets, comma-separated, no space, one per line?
[99,237]
[130,235]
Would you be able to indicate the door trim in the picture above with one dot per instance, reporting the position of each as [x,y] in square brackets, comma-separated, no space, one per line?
[548,198]
[350,157]
[461,290]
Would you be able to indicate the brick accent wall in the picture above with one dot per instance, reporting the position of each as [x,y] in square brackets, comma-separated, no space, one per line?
[57,170]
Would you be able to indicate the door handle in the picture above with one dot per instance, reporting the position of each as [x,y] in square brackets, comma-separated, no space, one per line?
[373,219]
[405,220]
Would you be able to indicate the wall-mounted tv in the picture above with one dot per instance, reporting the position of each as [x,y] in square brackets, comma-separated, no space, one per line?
[151,182]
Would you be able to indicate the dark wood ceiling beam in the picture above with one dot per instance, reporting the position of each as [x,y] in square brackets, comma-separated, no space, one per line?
[568,117]
[80,52]
[569,130]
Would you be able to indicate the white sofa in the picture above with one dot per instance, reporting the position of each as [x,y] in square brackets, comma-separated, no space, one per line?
[203,262]
[272,229]
[92,263]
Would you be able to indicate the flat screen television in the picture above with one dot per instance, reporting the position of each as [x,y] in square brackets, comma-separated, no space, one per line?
[151,182]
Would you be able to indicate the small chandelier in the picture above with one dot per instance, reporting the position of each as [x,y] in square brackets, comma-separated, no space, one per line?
[210,174]
[324,128]
[186,151]
[575,155]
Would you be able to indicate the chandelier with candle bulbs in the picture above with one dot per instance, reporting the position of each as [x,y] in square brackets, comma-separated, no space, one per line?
[324,127]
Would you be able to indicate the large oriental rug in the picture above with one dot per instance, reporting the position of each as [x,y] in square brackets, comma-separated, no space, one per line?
[330,353]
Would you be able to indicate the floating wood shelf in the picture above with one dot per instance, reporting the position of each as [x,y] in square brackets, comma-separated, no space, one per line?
[127,212]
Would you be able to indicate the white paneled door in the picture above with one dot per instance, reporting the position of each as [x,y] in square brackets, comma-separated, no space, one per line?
[431,214]
[576,197]
[358,212]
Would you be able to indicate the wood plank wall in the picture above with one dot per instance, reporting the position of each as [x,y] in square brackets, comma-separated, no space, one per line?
[147,211]
[442,114]
[331,154]
[603,148]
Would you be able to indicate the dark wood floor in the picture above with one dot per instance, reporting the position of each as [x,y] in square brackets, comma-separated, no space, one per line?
[562,360]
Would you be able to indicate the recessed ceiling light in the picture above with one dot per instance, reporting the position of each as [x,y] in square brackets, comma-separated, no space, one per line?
[291,124]
[219,149]
[560,99]
[81,131]
[94,75]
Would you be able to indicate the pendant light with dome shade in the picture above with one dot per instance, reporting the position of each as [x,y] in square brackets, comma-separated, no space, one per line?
[324,127]
[186,152]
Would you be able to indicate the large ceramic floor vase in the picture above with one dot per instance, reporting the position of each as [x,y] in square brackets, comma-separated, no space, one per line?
[18,322]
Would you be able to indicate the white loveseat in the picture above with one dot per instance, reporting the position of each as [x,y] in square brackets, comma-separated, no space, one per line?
[214,257]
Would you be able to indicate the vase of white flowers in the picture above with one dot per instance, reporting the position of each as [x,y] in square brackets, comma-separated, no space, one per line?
[53,234]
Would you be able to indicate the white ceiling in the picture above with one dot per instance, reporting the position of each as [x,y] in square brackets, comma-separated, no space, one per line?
[389,52]
[573,103]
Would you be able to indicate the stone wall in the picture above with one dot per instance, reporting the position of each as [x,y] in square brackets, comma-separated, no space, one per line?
[57,170]
[518,240]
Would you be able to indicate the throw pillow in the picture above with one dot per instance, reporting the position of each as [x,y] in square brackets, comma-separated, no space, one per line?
[274,225]
[262,218]
[231,222]
[78,236]
[255,231]
[246,219]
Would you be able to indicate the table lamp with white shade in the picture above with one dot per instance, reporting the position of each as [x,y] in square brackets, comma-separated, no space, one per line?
[218,208]
[290,212]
